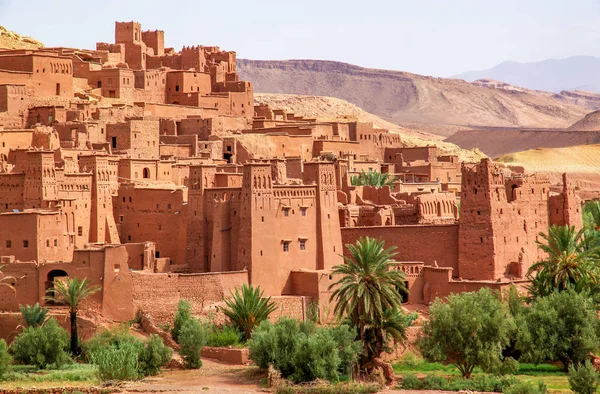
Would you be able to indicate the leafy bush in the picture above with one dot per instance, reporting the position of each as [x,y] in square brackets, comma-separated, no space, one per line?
[583,379]
[221,337]
[192,339]
[33,315]
[411,382]
[183,315]
[121,356]
[509,366]
[302,351]
[246,309]
[526,388]
[5,358]
[42,345]
[434,382]
[153,356]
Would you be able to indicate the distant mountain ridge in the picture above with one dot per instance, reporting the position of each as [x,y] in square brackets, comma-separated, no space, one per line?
[437,105]
[551,75]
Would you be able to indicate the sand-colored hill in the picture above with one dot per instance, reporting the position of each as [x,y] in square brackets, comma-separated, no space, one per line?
[12,40]
[329,108]
[498,142]
[439,105]
[581,162]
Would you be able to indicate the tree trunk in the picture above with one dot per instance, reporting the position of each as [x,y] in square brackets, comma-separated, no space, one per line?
[74,336]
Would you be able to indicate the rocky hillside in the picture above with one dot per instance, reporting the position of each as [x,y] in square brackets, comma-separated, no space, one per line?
[12,40]
[591,122]
[329,108]
[439,105]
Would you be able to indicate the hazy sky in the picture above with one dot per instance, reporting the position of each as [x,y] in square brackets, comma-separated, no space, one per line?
[431,37]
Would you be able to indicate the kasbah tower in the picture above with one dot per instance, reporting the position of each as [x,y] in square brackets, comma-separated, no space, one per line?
[151,172]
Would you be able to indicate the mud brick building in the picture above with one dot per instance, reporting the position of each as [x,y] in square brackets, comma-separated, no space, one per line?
[151,172]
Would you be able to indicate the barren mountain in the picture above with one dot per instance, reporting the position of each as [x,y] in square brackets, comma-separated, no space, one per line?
[439,105]
[329,108]
[591,122]
[12,40]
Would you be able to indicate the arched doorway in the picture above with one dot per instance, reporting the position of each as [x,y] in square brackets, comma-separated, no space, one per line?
[53,276]
[146,173]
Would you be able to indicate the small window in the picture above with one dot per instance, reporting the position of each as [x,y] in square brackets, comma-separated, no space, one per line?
[129,237]
[80,231]
[47,243]
[177,88]
[302,244]
[8,243]
[160,227]
[121,218]
[303,211]
[168,206]
[286,246]
[25,243]
[56,242]
[286,212]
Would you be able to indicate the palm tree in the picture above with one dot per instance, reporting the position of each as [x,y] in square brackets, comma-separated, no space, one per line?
[246,309]
[369,293]
[72,292]
[372,178]
[34,315]
[591,215]
[571,262]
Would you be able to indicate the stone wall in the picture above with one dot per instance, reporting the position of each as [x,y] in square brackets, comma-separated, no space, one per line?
[158,294]
[426,243]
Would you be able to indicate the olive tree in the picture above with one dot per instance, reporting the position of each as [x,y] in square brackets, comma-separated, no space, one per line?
[560,327]
[468,330]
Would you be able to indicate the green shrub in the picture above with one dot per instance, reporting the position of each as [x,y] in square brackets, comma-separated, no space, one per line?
[489,383]
[226,336]
[411,382]
[42,346]
[117,361]
[121,356]
[434,382]
[5,358]
[192,338]
[526,388]
[509,366]
[302,351]
[154,355]
[340,388]
[583,379]
[183,315]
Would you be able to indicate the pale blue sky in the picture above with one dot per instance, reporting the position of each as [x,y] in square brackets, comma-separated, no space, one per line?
[430,37]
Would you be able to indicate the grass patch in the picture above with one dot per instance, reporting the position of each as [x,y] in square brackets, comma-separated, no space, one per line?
[332,388]
[552,375]
[71,375]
